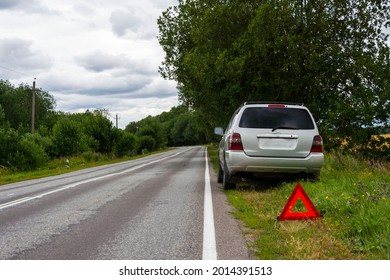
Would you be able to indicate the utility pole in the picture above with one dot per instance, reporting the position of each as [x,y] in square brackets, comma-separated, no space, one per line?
[116,119]
[33,109]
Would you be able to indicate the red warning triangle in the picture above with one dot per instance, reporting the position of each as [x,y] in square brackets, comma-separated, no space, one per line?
[300,193]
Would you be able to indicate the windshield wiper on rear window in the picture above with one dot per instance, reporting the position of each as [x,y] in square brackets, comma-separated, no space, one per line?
[284,127]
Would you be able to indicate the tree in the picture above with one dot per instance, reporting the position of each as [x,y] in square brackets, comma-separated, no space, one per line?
[132,127]
[23,151]
[2,117]
[177,131]
[8,141]
[186,130]
[100,128]
[331,55]
[152,127]
[68,137]
[180,126]
[125,143]
[146,143]
[16,103]
[28,154]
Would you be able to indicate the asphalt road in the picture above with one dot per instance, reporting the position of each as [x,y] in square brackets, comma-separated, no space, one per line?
[147,209]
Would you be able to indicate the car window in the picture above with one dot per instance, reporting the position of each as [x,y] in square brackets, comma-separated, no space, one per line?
[264,117]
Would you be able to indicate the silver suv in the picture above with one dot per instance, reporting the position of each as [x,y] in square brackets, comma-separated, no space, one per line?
[265,138]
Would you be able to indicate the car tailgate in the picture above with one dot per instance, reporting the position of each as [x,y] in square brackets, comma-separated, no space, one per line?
[285,143]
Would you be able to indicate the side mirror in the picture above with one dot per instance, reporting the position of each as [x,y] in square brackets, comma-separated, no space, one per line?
[218,131]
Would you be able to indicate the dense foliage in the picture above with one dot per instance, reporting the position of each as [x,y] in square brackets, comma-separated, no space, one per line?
[178,127]
[331,55]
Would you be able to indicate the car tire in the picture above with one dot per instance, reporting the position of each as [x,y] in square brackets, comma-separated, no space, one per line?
[226,181]
[220,173]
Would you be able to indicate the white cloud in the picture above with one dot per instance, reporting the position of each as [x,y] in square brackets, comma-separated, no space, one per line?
[123,20]
[98,61]
[84,9]
[26,6]
[19,56]
[135,22]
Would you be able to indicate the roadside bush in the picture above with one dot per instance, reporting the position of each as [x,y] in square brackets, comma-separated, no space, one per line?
[68,138]
[99,130]
[153,128]
[90,142]
[377,148]
[146,143]
[28,155]
[125,144]
[372,146]
[8,142]
[46,143]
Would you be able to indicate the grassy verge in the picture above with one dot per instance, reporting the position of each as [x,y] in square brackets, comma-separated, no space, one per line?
[353,196]
[58,166]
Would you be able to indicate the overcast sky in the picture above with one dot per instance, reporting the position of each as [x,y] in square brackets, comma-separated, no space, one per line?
[88,54]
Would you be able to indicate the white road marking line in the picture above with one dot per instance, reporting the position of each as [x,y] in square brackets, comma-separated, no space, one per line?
[15,202]
[25,199]
[209,244]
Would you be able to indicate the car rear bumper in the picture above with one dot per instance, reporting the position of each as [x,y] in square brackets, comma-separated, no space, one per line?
[237,161]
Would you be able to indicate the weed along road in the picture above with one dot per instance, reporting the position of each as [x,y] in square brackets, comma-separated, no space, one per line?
[164,206]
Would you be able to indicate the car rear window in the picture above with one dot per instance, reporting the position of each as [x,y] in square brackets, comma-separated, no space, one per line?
[264,117]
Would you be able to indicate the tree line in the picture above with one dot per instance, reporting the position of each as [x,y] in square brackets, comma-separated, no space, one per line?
[331,55]
[178,127]
[60,134]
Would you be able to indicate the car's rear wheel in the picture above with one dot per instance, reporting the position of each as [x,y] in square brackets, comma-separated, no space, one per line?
[220,173]
[226,181]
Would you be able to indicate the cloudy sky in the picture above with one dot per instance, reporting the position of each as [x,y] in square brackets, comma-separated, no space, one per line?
[88,54]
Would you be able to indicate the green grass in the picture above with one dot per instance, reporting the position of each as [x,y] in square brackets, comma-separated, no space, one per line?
[58,166]
[353,196]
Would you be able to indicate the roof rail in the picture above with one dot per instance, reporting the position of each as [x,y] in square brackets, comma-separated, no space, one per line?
[272,102]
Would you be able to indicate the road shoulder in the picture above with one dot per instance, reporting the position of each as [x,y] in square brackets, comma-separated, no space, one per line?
[231,244]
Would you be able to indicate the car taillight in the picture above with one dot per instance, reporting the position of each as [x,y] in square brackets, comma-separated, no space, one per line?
[235,143]
[318,145]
